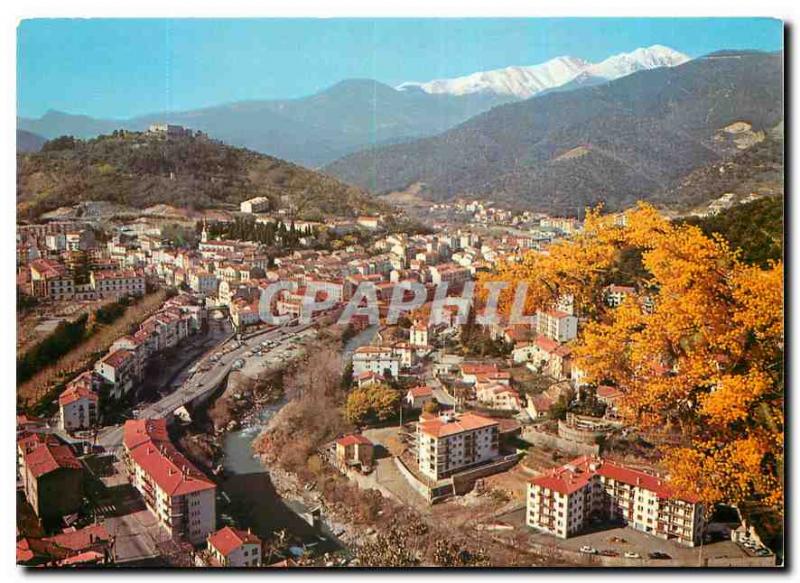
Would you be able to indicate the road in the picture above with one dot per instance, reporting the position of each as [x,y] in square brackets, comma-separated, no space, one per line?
[202,383]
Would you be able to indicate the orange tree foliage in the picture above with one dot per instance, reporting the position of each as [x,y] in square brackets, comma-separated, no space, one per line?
[705,358]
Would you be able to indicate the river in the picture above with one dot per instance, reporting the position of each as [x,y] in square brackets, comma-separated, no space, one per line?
[254,499]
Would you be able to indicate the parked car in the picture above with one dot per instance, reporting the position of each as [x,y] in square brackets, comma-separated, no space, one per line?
[632,555]
[658,555]
[588,550]
[762,552]
[608,553]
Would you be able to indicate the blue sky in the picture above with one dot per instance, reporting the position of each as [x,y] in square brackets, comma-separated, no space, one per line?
[122,68]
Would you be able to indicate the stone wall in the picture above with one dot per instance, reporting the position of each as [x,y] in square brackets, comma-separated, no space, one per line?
[542,439]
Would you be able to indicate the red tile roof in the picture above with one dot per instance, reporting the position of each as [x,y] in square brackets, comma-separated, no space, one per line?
[139,431]
[80,539]
[541,402]
[117,358]
[46,458]
[227,539]
[421,391]
[440,427]
[608,392]
[478,368]
[353,439]
[75,393]
[170,469]
[547,344]
[576,474]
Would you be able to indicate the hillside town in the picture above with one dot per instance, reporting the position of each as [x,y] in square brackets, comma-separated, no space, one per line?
[489,425]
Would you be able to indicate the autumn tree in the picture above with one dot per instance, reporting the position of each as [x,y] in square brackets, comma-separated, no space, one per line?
[702,359]
[375,403]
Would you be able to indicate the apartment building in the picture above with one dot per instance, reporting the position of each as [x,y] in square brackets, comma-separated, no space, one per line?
[557,325]
[376,359]
[419,334]
[450,273]
[118,368]
[116,283]
[449,444]
[233,547]
[77,405]
[564,501]
[51,279]
[181,497]
[259,204]
[53,478]
[203,282]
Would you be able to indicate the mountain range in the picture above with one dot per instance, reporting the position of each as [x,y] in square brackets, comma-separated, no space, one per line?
[312,130]
[525,82]
[617,142]
[360,113]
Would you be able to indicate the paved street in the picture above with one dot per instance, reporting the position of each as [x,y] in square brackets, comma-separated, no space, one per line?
[202,383]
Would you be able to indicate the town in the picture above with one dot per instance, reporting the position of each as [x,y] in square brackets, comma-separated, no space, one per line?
[145,359]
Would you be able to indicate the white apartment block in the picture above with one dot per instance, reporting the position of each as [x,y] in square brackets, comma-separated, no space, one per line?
[117,283]
[180,497]
[449,444]
[564,501]
[258,204]
[557,325]
[376,359]
[77,405]
[118,368]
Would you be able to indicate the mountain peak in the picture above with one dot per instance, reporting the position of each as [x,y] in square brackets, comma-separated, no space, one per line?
[526,81]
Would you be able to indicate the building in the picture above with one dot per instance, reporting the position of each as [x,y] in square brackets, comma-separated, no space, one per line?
[91,545]
[354,450]
[53,479]
[609,396]
[118,368]
[50,279]
[259,204]
[566,500]
[450,273]
[614,295]
[376,359]
[117,283]
[203,282]
[557,325]
[169,130]
[233,547]
[538,405]
[77,405]
[499,396]
[416,397]
[181,497]
[448,444]
[418,335]
[369,222]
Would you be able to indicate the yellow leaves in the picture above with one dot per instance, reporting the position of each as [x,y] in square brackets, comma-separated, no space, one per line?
[732,398]
[706,359]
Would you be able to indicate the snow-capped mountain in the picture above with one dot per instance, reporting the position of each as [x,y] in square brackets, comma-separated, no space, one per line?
[524,82]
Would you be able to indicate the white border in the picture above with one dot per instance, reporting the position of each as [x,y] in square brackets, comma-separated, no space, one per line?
[786,10]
